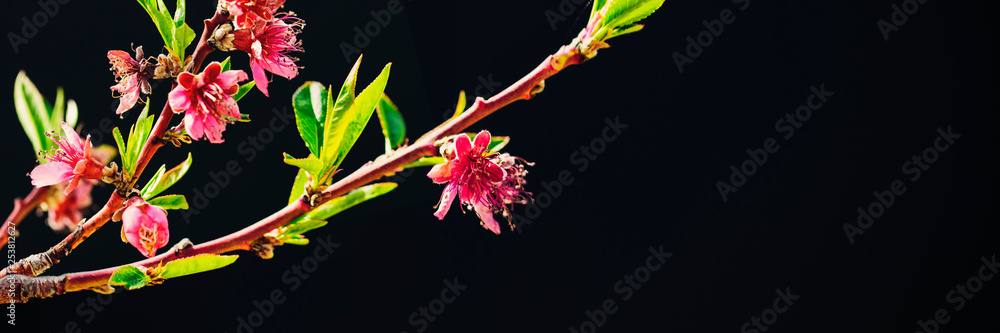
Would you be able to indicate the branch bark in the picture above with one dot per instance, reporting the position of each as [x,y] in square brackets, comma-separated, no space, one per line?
[21,209]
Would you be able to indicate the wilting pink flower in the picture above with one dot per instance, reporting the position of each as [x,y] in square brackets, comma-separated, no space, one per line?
[71,162]
[268,43]
[132,76]
[145,226]
[248,11]
[484,181]
[208,100]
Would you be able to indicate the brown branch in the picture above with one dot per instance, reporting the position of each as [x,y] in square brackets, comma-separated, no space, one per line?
[21,209]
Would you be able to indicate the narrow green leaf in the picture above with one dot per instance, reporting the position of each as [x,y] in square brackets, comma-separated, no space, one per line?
[244,89]
[598,5]
[179,13]
[333,124]
[298,186]
[25,95]
[339,204]
[393,127]
[130,277]
[196,264]
[164,23]
[121,150]
[169,202]
[351,123]
[292,232]
[137,138]
[58,110]
[226,64]
[310,104]
[168,178]
[460,106]
[183,36]
[625,30]
[147,190]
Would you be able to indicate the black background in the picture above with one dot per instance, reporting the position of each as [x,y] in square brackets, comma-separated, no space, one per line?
[654,185]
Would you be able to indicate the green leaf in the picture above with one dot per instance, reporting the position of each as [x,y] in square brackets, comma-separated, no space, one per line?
[310,164]
[58,110]
[161,181]
[624,30]
[130,277]
[292,233]
[339,204]
[393,127]
[121,143]
[333,123]
[298,186]
[176,34]
[32,112]
[169,202]
[623,13]
[244,89]
[348,125]
[136,140]
[197,264]
[310,104]
[425,161]
[460,106]
[225,65]
[598,5]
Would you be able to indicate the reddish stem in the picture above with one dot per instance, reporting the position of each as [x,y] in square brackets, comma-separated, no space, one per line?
[241,240]
[21,209]
[38,263]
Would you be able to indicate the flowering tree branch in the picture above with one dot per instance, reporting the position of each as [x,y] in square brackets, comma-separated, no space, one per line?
[523,89]
[22,207]
[38,263]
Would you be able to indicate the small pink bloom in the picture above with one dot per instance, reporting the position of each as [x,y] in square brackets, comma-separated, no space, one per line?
[64,210]
[71,162]
[208,100]
[248,11]
[268,43]
[484,181]
[132,76]
[145,226]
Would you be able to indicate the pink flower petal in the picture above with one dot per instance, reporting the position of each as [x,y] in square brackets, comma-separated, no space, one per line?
[51,173]
[179,99]
[482,140]
[462,146]
[259,76]
[447,197]
[485,213]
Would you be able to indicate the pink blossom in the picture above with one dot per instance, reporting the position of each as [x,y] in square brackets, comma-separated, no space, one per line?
[64,210]
[248,11]
[483,180]
[132,76]
[145,226]
[208,101]
[268,43]
[71,161]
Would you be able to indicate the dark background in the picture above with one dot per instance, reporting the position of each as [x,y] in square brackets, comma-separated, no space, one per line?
[654,185]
